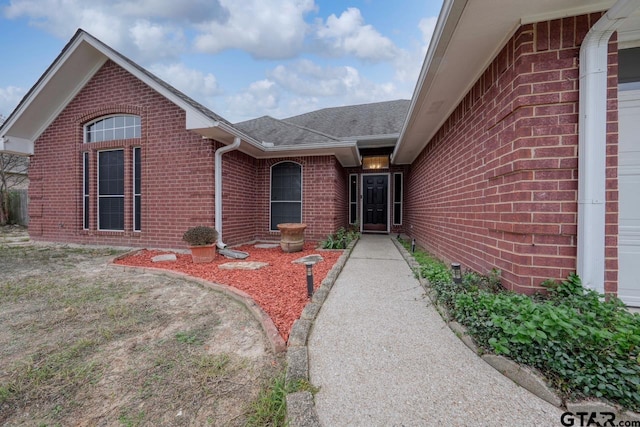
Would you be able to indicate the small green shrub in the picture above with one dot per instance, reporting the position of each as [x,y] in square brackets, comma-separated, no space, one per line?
[200,236]
[341,238]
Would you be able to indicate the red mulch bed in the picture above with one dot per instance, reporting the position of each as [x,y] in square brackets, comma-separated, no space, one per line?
[280,288]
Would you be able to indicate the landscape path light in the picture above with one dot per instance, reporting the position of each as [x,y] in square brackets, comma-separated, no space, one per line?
[456,273]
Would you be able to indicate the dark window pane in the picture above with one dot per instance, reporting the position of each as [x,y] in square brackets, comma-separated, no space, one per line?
[354,188]
[137,161]
[85,220]
[111,172]
[286,182]
[285,212]
[85,161]
[352,213]
[137,209]
[111,213]
[397,188]
[397,213]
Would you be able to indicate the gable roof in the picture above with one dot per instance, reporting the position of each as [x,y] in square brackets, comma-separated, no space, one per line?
[467,37]
[76,64]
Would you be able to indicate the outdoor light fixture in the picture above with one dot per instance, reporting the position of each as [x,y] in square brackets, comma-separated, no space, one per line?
[456,273]
[309,278]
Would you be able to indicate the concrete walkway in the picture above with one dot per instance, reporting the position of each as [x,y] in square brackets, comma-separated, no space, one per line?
[382,356]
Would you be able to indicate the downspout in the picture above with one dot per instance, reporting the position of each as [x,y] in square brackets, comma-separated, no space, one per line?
[218,190]
[592,147]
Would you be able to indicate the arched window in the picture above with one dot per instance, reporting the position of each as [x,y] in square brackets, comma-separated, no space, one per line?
[112,196]
[113,128]
[286,193]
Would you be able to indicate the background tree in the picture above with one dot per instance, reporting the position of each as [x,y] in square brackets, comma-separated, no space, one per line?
[13,175]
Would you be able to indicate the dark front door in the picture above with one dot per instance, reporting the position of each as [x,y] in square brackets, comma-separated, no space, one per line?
[375,203]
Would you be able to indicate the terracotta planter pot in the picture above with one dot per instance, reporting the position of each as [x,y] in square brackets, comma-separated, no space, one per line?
[291,236]
[203,254]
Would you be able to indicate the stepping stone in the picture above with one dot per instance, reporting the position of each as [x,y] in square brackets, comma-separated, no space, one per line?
[267,245]
[243,265]
[314,259]
[233,254]
[164,257]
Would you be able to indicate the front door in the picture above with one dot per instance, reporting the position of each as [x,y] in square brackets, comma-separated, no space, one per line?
[374,203]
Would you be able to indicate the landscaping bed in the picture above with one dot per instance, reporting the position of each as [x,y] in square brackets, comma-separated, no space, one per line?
[586,345]
[280,288]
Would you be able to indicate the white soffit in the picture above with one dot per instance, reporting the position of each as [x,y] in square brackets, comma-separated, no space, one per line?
[480,33]
[54,91]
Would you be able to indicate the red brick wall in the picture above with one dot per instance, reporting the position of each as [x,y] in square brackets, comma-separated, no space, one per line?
[177,168]
[324,198]
[239,198]
[177,176]
[497,185]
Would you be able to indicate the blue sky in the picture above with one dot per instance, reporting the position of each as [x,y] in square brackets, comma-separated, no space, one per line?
[241,58]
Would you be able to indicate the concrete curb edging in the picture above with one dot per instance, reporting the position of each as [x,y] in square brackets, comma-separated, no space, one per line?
[301,410]
[526,377]
[275,340]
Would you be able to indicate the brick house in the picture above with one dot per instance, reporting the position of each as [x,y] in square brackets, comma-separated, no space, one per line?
[119,157]
[518,150]
[522,143]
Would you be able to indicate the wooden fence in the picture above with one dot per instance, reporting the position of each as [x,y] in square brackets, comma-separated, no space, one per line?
[19,207]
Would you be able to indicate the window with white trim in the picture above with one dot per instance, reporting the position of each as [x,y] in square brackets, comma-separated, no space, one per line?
[353,198]
[137,188]
[85,191]
[111,161]
[286,194]
[111,190]
[397,198]
[113,128]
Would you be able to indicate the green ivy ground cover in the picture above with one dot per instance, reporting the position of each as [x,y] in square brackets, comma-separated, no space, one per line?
[585,344]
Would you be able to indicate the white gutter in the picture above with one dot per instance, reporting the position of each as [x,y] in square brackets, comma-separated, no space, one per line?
[592,148]
[218,178]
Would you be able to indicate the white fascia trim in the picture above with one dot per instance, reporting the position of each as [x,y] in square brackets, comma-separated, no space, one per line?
[44,82]
[592,153]
[437,40]
[576,11]
[68,99]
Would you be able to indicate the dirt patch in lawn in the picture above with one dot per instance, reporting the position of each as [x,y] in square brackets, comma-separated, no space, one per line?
[85,344]
[279,288]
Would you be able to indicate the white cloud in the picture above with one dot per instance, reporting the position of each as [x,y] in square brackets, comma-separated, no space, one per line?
[147,31]
[348,35]
[427,26]
[264,28]
[260,98]
[408,63]
[192,82]
[9,98]
[155,42]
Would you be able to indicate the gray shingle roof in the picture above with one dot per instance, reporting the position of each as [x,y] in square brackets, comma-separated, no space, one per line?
[380,118]
[330,124]
[278,132]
